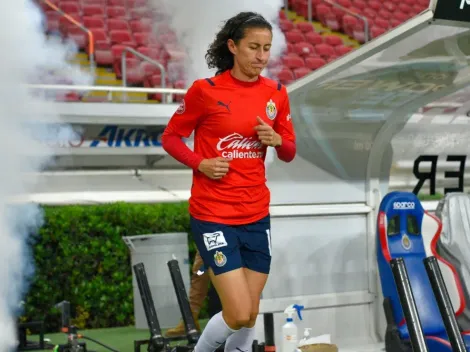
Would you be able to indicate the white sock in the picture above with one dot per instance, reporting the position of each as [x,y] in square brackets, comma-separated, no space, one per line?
[240,341]
[214,334]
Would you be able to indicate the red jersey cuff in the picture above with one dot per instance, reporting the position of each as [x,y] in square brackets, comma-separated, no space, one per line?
[174,145]
[286,151]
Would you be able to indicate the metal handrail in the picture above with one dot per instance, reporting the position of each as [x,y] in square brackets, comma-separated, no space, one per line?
[145,58]
[362,18]
[83,28]
[106,88]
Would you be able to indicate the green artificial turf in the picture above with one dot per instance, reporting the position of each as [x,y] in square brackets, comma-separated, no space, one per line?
[121,339]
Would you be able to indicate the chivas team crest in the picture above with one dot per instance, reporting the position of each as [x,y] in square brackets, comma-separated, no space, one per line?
[271,110]
[220,259]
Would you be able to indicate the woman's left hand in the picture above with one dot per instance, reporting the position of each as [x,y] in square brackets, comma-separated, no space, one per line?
[267,135]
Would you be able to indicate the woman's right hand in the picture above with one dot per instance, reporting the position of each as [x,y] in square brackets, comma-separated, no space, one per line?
[215,168]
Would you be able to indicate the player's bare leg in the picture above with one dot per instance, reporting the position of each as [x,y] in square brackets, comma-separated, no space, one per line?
[235,297]
[242,340]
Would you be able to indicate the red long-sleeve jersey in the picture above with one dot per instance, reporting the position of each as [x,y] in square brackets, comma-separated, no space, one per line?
[222,111]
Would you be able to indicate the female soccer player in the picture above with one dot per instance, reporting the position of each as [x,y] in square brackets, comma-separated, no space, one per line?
[236,116]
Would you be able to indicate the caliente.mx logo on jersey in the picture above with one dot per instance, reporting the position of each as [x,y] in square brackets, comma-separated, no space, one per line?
[236,146]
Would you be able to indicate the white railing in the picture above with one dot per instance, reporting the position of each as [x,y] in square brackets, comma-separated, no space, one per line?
[346,10]
[361,18]
[109,89]
[144,58]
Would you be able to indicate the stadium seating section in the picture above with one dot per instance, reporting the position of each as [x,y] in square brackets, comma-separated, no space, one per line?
[117,24]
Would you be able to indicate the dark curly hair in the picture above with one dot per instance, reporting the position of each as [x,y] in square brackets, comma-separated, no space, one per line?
[218,55]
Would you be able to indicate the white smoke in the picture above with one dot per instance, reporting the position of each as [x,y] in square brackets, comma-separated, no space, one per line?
[196,23]
[28,56]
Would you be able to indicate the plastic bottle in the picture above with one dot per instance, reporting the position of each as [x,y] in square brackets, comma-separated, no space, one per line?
[289,329]
[305,338]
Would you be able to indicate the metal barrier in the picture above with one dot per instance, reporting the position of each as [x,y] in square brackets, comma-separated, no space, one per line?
[145,58]
[332,3]
[91,41]
[109,89]
[363,19]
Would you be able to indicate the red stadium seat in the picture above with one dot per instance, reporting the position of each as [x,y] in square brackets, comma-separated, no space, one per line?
[139,13]
[117,52]
[69,7]
[116,12]
[149,52]
[294,36]
[314,38]
[325,51]
[384,14]
[380,22]
[369,13]
[301,72]
[141,39]
[290,48]
[375,5]
[140,26]
[405,8]
[286,25]
[285,76]
[343,50]
[101,3]
[389,6]
[304,49]
[332,40]
[134,74]
[332,21]
[400,16]
[293,61]
[136,3]
[147,39]
[377,31]
[155,81]
[359,33]
[93,22]
[349,23]
[314,63]
[117,24]
[78,36]
[322,11]
[65,24]
[121,3]
[122,37]
[104,57]
[305,27]
[360,4]
[93,10]
[345,3]
[148,68]
[101,39]
[68,97]
[395,23]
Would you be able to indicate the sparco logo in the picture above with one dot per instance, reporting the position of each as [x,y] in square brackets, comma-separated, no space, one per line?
[403,205]
[235,146]
[463,2]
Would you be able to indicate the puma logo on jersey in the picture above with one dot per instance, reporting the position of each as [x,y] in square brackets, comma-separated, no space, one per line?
[227,106]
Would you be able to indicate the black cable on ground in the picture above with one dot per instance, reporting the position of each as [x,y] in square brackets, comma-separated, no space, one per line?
[98,343]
